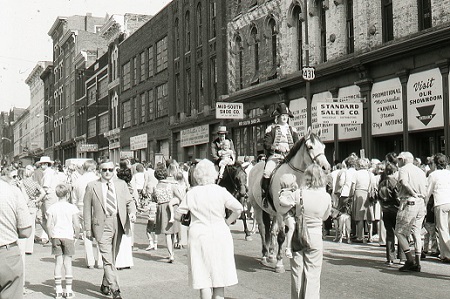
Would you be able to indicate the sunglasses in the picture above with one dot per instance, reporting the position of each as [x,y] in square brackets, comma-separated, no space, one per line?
[107,169]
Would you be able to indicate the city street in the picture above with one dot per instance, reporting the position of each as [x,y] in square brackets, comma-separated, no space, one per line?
[349,271]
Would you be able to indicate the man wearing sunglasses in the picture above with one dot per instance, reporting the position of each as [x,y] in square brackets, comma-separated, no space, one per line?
[108,209]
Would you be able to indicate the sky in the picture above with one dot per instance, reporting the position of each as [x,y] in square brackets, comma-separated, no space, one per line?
[24,38]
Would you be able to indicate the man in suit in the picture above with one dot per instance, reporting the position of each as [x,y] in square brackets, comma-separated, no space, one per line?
[108,210]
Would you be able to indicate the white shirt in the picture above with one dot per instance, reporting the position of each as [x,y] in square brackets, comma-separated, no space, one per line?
[79,188]
[105,191]
[439,186]
[61,213]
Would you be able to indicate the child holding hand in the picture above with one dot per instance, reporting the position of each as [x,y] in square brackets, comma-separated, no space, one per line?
[289,196]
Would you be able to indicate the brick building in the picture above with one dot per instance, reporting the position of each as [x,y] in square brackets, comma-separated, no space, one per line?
[391,57]
[47,77]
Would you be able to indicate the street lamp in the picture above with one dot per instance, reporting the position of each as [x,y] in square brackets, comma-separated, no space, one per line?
[4,138]
[49,118]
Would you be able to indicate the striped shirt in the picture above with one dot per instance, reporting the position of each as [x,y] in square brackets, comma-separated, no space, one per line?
[14,213]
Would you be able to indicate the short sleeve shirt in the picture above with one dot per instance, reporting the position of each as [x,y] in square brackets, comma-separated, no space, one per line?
[14,213]
[415,177]
[62,213]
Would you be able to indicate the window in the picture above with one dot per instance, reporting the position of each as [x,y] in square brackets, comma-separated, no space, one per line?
[323,32]
[177,38]
[273,34]
[151,66]
[103,88]
[238,6]
[151,104]
[200,87]
[92,128]
[92,94]
[161,100]
[161,55]
[134,70]
[103,123]
[213,76]
[424,14]
[240,61]
[114,57]
[142,66]
[126,76]
[198,19]
[254,35]
[388,22]
[115,111]
[143,107]
[349,25]
[296,16]
[212,19]
[135,116]
[126,114]
[188,105]
[187,27]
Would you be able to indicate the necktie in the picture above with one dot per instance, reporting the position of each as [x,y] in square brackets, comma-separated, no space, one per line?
[110,200]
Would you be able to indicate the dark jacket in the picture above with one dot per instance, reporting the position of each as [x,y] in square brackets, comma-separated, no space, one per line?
[269,139]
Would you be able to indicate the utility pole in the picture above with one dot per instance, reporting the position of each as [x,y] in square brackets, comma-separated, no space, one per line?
[308,72]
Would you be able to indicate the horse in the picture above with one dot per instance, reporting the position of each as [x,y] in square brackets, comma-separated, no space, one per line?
[235,181]
[309,149]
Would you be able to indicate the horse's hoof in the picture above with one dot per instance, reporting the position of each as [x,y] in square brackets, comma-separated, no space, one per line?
[264,262]
[279,269]
[272,259]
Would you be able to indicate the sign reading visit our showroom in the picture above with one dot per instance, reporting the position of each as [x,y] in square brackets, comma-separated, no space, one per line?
[425,100]
[337,112]
[387,108]
[138,142]
[193,136]
[229,110]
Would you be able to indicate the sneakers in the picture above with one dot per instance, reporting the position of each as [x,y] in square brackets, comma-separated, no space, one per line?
[59,296]
[70,295]
[388,263]
[410,266]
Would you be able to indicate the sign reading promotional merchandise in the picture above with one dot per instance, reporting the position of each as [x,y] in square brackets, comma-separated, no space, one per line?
[229,110]
[339,112]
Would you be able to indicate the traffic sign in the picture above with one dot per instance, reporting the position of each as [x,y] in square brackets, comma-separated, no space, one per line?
[308,73]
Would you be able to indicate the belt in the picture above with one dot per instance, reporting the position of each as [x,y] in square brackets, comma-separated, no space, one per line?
[7,246]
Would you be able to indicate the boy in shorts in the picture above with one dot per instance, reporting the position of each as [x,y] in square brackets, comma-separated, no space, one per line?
[63,224]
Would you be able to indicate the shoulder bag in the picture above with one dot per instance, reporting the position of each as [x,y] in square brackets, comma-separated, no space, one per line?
[300,239]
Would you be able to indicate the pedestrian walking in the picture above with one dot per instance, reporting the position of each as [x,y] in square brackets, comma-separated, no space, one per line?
[211,252]
[15,223]
[108,210]
[63,224]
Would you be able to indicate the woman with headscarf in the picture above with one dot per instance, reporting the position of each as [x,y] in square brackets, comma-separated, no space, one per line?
[210,244]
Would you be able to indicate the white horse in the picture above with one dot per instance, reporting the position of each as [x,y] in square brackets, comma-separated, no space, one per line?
[309,149]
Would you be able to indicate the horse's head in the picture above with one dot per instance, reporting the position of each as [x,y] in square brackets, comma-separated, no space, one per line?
[309,149]
[316,149]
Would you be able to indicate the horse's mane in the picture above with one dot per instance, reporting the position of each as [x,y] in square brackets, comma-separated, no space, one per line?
[298,145]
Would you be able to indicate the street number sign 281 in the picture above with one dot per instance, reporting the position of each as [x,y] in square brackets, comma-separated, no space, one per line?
[308,73]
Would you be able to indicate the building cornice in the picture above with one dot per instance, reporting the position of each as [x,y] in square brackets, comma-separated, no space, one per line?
[55,25]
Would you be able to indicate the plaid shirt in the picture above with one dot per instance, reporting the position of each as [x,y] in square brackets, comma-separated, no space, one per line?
[14,213]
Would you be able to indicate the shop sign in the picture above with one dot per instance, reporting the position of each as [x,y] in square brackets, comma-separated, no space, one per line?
[113,145]
[339,112]
[226,110]
[298,107]
[387,108]
[327,129]
[138,142]
[349,94]
[425,100]
[88,147]
[194,136]
[126,155]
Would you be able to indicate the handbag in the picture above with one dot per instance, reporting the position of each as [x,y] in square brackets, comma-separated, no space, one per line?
[300,239]
[186,219]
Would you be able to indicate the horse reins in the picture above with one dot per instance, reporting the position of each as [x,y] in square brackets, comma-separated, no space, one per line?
[313,159]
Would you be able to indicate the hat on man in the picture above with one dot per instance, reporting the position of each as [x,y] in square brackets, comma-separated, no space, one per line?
[222,130]
[282,109]
[406,156]
[44,159]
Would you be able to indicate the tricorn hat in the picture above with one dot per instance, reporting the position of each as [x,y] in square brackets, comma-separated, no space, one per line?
[222,130]
[44,159]
[281,108]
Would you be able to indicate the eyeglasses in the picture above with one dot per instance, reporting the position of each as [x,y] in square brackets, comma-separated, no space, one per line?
[107,169]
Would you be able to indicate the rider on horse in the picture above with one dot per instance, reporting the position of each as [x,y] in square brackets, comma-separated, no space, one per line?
[216,144]
[278,140]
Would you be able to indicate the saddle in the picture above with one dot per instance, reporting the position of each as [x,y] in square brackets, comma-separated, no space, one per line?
[265,187]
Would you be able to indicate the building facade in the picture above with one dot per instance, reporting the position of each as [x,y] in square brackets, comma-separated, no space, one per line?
[390,57]
[47,77]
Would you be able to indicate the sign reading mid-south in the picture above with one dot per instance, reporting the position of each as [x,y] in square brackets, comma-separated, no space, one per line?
[229,110]
[339,112]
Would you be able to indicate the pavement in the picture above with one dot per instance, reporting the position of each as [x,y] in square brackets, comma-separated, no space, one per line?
[349,271]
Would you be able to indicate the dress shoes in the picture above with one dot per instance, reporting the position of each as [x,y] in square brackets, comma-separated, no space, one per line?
[410,267]
[116,294]
[105,290]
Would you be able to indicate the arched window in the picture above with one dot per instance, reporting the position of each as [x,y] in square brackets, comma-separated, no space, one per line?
[255,39]
[273,35]
[187,27]
[212,19]
[240,61]
[198,18]
[296,14]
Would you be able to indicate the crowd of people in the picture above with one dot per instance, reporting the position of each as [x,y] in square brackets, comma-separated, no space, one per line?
[392,202]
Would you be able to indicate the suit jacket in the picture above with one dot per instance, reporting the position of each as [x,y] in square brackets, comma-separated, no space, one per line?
[94,210]
[269,139]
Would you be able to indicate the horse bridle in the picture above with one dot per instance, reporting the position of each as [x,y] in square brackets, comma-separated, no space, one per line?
[313,159]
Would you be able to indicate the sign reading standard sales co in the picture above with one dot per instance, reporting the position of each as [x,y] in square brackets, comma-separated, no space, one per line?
[229,110]
[339,113]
